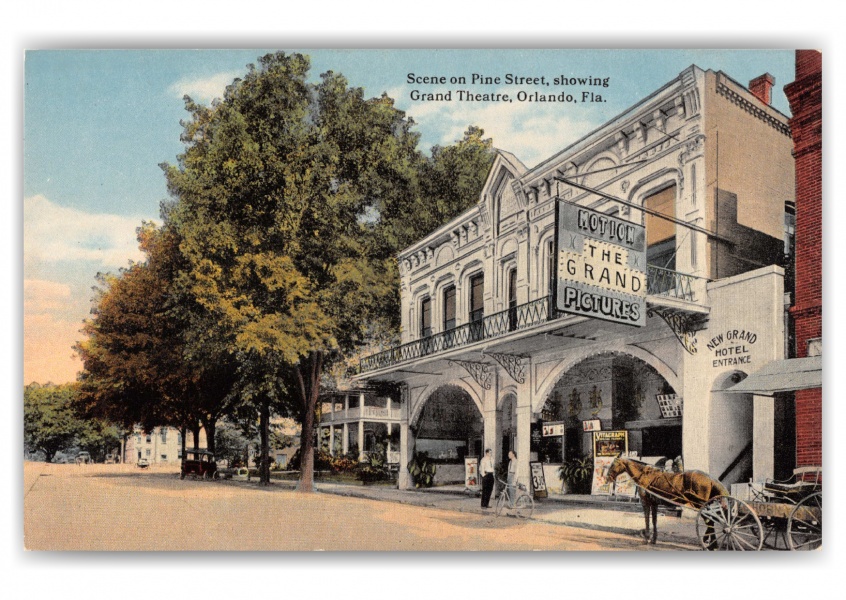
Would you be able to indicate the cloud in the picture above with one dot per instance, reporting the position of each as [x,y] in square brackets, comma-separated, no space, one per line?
[204,89]
[532,131]
[54,234]
[51,328]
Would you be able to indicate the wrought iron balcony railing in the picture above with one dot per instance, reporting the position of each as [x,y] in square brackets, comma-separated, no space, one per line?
[660,282]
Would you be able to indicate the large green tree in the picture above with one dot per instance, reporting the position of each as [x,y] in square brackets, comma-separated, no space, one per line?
[50,422]
[277,193]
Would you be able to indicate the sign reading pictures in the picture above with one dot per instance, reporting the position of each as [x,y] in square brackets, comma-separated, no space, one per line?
[538,480]
[601,265]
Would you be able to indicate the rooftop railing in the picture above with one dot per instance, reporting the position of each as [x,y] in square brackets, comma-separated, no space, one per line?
[660,282]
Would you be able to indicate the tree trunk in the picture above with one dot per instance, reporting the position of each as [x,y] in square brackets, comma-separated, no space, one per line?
[48,456]
[308,376]
[264,436]
[195,431]
[210,425]
[183,433]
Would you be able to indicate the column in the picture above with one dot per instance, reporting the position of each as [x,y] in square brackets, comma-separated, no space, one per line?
[763,438]
[524,432]
[332,438]
[406,447]
[345,442]
[361,434]
[346,408]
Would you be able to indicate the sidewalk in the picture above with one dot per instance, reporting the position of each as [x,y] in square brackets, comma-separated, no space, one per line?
[588,512]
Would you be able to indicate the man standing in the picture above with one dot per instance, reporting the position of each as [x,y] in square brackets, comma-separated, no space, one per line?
[486,470]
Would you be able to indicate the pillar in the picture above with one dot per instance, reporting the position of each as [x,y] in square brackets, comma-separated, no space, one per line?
[345,442]
[361,436]
[763,436]
[524,433]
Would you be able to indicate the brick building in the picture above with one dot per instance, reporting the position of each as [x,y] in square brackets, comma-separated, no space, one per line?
[805,96]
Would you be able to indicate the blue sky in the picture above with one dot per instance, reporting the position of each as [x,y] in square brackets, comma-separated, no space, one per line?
[98,123]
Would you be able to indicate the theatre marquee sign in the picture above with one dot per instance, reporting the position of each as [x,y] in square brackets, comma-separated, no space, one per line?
[601,265]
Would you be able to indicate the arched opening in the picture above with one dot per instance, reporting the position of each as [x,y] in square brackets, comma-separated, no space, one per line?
[448,429]
[611,391]
[730,430]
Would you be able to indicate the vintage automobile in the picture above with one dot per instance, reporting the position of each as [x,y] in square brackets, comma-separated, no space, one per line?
[111,458]
[199,463]
[142,463]
[83,458]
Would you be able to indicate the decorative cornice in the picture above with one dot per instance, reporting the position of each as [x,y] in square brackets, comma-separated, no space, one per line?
[748,106]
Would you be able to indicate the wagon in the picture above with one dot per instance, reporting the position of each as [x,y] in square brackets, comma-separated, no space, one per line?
[791,511]
[199,463]
[787,511]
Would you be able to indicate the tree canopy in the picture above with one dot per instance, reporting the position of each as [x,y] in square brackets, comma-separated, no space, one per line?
[276,255]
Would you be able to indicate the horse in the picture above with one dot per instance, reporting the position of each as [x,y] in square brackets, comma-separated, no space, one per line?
[687,488]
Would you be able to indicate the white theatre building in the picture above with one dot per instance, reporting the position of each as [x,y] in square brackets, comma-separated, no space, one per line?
[643,260]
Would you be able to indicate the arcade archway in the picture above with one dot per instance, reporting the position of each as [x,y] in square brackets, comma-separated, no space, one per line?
[449,428]
[615,391]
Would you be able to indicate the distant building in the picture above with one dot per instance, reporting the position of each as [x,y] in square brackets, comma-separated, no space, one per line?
[162,445]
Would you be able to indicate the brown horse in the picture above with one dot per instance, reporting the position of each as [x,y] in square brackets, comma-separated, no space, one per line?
[688,488]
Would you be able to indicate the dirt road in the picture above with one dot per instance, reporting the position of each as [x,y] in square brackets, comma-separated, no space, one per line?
[118,507]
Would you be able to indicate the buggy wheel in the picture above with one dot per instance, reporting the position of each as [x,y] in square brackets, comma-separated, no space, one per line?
[182,474]
[804,526]
[725,523]
[500,504]
[215,475]
[524,507]
[206,475]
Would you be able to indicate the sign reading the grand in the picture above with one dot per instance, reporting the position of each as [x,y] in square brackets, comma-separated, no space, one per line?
[601,266]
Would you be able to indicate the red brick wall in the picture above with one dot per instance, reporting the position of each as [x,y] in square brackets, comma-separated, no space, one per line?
[805,96]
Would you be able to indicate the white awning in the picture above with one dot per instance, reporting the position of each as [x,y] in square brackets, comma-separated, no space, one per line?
[782,376]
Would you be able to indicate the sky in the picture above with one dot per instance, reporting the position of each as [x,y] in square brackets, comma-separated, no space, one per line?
[98,123]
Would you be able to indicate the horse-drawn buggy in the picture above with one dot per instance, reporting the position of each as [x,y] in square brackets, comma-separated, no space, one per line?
[790,511]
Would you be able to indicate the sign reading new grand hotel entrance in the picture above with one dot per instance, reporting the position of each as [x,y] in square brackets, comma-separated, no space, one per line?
[601,265]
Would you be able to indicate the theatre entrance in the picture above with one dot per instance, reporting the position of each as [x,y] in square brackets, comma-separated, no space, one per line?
[619,391]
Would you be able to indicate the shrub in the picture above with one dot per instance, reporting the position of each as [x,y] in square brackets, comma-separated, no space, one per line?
[422,470]
[577,474]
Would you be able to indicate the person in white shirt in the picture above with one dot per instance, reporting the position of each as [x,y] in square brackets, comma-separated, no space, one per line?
[486,470]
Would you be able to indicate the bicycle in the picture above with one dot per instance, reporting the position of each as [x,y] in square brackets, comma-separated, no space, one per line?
[522,507]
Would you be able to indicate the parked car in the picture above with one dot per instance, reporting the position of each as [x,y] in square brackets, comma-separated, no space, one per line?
[83,458]
[111,459]
[199,463]
[142,463]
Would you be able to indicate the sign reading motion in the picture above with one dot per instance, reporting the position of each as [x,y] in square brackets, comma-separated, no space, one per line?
[601,266]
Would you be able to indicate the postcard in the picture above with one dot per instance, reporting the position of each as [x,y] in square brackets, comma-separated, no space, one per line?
[422,300]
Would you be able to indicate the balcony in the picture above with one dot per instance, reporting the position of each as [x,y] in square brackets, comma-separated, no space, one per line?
[356,413]
[661,283]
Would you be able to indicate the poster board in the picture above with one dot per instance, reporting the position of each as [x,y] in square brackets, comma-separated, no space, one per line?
[538,481]
[471,474]
[607,445]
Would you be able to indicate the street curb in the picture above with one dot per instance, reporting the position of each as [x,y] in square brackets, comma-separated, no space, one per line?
[672,538]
